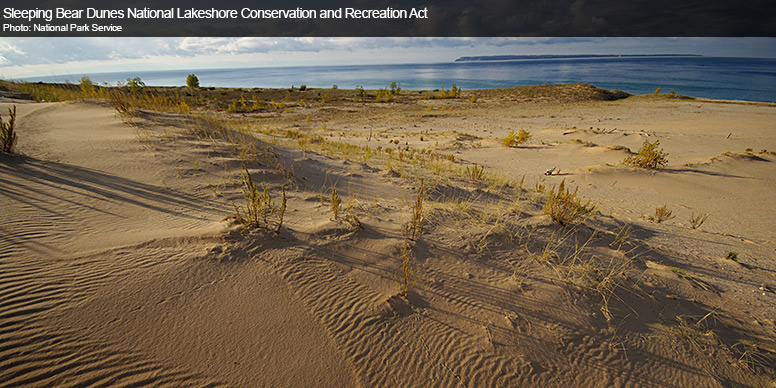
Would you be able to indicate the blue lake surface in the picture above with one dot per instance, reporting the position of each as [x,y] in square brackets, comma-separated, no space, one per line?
[751,79]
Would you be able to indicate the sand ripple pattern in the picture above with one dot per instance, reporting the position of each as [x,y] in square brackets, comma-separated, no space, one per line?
[388,349]
[35,353]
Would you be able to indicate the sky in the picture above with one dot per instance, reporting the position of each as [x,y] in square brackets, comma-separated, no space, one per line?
[30,57]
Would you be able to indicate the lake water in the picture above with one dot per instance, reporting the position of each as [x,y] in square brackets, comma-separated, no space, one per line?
[751,79]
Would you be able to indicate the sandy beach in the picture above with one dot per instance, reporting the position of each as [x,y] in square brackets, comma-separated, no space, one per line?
[123,261]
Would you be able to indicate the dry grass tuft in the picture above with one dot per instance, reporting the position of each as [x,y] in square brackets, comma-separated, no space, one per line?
[475,173]
[662,214]
[336,203]
[565,207]
[409,276]
[7,134]
[259,210]
[697,221]
[649,156]
[414,226]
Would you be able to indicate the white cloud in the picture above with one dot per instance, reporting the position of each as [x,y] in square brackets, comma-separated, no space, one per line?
[7,47]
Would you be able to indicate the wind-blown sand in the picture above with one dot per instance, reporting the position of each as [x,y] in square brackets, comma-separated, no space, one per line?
[118,267]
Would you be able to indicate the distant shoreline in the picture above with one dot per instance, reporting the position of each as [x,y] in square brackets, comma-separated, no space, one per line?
[529,57]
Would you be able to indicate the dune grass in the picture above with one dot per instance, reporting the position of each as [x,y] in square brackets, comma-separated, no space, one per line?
[697,221]
[662,214]
[259,210]
[409,276]
[8,136]
[650,156]
[565,207]
[413,228]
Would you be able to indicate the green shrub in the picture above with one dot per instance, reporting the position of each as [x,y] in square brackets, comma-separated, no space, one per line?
[7,134]
[395,87]
[649,156]
[192,81]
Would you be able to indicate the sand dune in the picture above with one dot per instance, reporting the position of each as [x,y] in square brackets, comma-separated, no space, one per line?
[119,265]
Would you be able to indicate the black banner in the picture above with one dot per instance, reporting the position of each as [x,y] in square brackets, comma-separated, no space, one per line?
[400,18]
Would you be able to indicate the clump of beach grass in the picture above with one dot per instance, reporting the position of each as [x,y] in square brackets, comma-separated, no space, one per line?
[336,203]
[564,206]
[662,214]
[8,136]
[650,156]
[697,221]
[259,210]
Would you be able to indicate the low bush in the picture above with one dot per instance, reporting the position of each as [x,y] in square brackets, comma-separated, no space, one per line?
[650,156]
[513,140]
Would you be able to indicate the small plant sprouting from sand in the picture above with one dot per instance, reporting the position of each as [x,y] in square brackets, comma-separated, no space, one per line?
[409,276]
[8,136]
[336,203]
[282,212]
[336,208]
[650,156]
[513,140]
[732,256]
[414,226]
[259,209]
[662,214]
[475,173]
[564,206]
[697,221]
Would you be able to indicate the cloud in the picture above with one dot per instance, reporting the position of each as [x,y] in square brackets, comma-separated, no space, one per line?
[7,47]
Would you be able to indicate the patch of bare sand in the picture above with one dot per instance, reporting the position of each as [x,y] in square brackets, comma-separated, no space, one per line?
[109,275]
